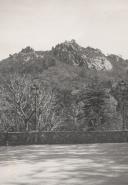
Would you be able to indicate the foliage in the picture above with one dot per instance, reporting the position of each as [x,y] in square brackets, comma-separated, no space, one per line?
[66,109]
[56,109]
[58,73]
[120,92]
[93,106]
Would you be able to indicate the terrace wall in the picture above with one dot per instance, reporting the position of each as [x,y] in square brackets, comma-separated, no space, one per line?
[27,138]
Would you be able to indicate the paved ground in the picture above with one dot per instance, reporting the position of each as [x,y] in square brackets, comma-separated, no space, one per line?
[97,164]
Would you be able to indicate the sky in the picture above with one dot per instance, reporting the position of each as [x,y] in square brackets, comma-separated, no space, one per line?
[42,24]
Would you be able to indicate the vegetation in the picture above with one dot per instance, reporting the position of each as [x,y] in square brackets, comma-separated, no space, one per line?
[77,90]
[56,109]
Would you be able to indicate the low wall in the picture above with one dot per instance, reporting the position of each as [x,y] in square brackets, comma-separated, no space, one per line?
[27,138]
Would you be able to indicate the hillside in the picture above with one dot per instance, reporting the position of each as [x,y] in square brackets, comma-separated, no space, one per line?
[67,63]
[82,79]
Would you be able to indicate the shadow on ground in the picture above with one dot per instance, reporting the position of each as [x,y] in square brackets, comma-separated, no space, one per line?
[96,164]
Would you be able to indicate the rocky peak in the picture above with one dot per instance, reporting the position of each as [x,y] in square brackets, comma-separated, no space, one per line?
[27,55]
[92,52]
[70,52]
[71,45]
[28,49]
[67,46]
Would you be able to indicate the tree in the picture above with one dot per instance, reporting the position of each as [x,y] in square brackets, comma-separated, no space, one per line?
[93,106]
[16,98]
[18,104]
[66,109]
[120,92]
[46,110]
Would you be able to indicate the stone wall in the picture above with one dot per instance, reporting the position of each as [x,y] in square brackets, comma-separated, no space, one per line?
[27,138]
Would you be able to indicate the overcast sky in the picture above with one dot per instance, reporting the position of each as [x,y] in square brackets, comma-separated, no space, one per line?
[42,24]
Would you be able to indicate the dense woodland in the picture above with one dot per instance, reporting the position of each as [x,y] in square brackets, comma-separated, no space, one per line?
[92,108]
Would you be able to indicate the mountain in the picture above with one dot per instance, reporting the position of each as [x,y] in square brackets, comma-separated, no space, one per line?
[70,68]
[67,65]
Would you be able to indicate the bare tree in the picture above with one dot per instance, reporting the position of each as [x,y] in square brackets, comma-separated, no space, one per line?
[17,103]
[15,97]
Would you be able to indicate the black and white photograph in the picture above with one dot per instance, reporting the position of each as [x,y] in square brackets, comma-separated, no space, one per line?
[63,92]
